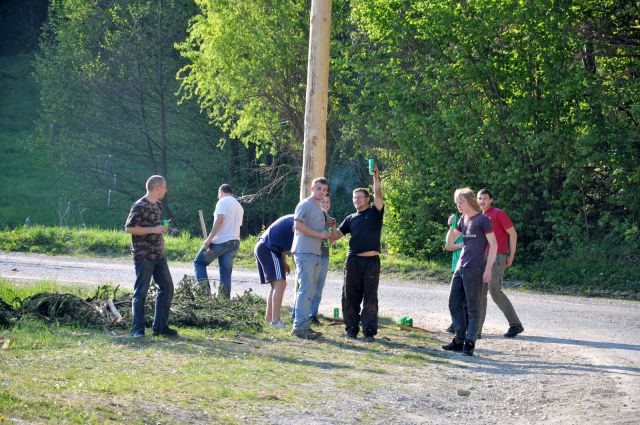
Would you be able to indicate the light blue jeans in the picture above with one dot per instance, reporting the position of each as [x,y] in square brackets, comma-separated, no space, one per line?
[309,271]
[225,253]
[315,302]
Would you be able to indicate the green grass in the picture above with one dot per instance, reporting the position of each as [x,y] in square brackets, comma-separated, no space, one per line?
[607,267]
[13,293]
[54,373]
[29,187]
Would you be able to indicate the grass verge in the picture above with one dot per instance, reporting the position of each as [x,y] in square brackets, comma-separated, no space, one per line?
[98,242]
[55,373]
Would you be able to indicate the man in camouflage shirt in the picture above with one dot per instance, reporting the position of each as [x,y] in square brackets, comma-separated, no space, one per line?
[147,247]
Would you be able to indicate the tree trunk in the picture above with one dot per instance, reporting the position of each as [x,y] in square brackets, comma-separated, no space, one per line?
[315,115]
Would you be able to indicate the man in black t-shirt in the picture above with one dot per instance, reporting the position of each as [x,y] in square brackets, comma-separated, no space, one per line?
[362,267]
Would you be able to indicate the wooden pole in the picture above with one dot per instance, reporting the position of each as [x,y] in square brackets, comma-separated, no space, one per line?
[314,156]
[203,226]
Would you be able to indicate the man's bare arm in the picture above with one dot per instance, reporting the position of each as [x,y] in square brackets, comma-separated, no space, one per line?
[378,201]
[141,231]
[513,242]
[452,235]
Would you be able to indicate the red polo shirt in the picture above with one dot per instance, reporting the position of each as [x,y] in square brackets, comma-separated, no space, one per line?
[501,222]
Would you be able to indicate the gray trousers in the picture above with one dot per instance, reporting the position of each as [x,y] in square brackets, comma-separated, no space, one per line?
[499,297]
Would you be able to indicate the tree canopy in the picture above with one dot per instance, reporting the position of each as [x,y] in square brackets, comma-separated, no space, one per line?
[537,101]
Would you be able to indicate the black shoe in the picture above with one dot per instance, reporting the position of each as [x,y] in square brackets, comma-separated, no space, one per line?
[513,331]
[369,338]
[453,346]
[450,329]
[315,321]
[350,335]
[138,334]
[172,333]
[479,336]
[305,333]
[468,347]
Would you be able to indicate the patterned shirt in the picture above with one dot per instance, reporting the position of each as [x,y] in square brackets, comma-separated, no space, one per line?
[146,214]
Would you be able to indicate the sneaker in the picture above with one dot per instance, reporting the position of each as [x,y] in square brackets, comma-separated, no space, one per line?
[350,335]
[169,332]
[278,324]
[138,334]
[513,331]
[305,333]
[369,338]
[468,347]
[450,329]
[315,321]
[453,346]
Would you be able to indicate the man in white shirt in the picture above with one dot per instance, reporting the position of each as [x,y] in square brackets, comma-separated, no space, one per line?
[223,241]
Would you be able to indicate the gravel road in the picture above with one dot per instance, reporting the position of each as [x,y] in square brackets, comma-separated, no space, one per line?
[578,360]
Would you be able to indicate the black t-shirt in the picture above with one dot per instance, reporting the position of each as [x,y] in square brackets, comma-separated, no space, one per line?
[365,228]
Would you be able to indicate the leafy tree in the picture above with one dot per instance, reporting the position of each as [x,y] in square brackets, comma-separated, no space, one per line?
[110,116]
[247,67]
[499,94]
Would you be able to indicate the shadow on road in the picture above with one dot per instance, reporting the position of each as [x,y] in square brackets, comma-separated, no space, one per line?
[592,344]
[529,366]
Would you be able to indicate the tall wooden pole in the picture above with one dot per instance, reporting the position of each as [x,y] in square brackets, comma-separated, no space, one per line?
[315,112]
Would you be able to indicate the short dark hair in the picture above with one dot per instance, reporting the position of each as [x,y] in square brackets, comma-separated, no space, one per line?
[363,190]
[485,192]
[225,188]
[321,180]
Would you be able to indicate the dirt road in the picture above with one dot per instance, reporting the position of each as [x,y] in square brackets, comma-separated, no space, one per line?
[578,360]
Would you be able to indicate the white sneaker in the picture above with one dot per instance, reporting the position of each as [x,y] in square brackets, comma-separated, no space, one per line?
[279,324]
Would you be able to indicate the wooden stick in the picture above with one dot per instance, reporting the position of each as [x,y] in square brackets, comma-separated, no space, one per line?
[114,311]
[202,225]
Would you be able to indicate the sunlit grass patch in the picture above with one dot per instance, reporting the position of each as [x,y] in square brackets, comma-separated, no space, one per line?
[72,374]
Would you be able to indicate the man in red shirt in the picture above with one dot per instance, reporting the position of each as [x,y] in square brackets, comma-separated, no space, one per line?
[507,238]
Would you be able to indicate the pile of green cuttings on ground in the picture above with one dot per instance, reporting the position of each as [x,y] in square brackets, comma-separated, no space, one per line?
[112,308]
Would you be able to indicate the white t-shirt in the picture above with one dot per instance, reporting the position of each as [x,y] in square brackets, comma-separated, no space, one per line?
[233,212]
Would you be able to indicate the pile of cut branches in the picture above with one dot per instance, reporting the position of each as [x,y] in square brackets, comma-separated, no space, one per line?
[192,306]
[108,307]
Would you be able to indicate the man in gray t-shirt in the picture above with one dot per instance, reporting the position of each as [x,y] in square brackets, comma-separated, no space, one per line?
[309,225]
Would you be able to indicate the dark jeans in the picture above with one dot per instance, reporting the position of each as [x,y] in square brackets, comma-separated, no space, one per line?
[159,270]
[361,277]
[466,287]
[225,252]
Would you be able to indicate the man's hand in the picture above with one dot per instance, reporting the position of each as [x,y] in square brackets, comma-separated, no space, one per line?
[331,222]
[509,261]
[206,244]
[486,277]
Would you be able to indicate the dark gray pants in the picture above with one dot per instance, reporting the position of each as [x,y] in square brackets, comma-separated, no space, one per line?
[499,297]
[466,286]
